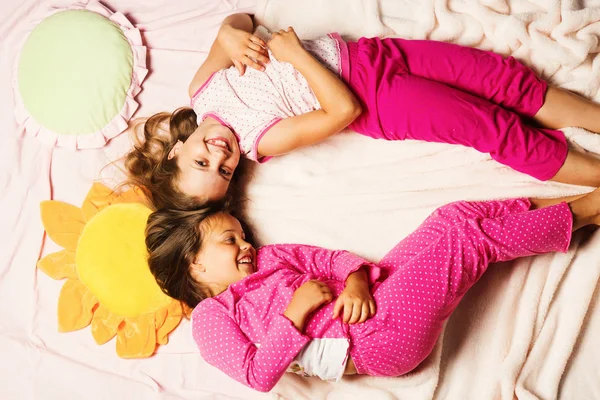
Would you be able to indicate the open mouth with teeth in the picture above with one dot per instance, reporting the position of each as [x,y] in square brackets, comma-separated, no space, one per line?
[246,264]
[245,260]
[219,142]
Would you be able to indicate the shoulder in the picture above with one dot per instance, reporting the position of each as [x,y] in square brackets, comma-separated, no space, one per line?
[287,247]
[285,251]
[209,308]
[199,82]
[203,86]
[204,307]
[206,316]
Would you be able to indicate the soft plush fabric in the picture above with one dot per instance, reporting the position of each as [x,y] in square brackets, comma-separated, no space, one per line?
[77,74]
[111,261]
[341,14]
[526,331]
[108,280]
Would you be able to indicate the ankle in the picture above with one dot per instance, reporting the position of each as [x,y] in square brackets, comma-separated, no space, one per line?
[580,222]
[583,214]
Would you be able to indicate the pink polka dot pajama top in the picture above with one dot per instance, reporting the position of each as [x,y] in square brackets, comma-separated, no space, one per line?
[416,286]
[409,89]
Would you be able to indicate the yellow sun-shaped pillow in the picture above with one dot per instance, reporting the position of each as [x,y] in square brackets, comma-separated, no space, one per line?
[108,280]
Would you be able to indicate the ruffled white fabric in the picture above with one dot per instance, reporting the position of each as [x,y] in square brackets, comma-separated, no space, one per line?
[120,122]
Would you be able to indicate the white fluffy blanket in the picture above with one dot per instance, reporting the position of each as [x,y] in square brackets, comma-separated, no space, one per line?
[525,330]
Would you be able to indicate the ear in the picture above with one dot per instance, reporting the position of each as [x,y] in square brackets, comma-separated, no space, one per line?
[197,267]
[175,150]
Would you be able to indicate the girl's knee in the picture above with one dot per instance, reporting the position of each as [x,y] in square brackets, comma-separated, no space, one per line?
[452,212]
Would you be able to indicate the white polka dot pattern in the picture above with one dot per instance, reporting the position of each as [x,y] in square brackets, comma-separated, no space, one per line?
[253,103]
[430,271]
[250,311]
[422,281]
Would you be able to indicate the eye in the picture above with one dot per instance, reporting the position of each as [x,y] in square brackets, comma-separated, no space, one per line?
[225,172]
[202,163]
[230,240]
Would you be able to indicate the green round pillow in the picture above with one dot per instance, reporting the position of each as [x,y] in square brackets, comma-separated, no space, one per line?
[77,75]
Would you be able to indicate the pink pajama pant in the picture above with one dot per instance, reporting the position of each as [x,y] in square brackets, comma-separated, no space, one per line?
[441,92]
[431,270]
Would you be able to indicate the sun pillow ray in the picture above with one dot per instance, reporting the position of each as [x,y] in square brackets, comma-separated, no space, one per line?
[108,283]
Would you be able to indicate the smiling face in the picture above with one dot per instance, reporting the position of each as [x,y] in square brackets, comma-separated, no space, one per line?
[224,257]
[207,160]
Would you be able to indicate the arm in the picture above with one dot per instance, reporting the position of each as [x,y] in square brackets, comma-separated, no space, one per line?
[320,262]
[357,274]
[223,345]
[234,45]
[339,105]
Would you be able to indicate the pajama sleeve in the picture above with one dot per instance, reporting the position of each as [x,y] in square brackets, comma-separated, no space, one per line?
[323,263]
[223,345]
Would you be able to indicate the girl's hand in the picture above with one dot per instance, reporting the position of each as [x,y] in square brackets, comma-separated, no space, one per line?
[311,295]
[307,298]
[285,45]
[243,48]
[356,299]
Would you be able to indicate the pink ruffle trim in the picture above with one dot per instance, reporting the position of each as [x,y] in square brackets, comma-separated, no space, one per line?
[120,122]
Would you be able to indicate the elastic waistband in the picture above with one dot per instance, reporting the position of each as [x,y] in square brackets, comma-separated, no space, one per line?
[352,55]
[352,49]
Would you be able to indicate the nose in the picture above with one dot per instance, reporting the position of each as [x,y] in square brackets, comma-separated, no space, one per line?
[217,157]
[244,245]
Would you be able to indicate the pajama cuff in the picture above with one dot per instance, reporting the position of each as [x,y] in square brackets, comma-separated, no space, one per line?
[567,218]
[297,339]
[347,263]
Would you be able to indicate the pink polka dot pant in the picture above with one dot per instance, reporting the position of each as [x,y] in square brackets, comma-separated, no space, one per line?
[430,271]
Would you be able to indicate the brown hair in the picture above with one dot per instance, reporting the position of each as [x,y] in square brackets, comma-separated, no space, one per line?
[149,168]
[173,239]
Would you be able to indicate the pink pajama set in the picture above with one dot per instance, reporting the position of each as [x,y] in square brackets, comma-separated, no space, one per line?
[410,89]
[416,287]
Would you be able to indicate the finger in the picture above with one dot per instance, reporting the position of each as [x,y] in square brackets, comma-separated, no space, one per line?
[365,313]
[326,291]
[253,64]
[337,307]
[259,49]
[347,311]
[372,307]
[257,40]
[257,56]
[327,297]
[356,311]
[290,29]
[240,67]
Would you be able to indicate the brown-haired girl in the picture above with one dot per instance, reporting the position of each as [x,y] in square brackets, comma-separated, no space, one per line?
[329,313]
